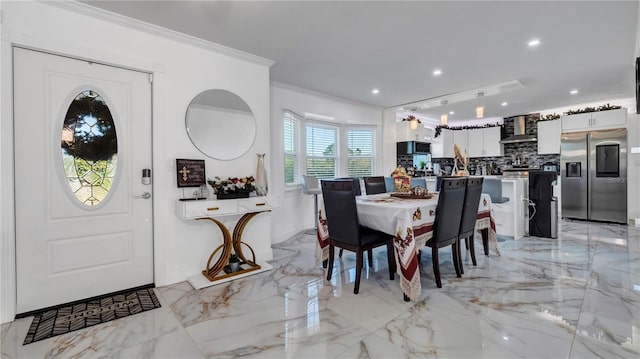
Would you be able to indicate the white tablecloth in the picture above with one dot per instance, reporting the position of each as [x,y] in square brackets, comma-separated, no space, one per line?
[410,221]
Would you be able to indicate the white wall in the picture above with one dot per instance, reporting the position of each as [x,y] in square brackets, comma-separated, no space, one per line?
[633,168]
[181,71]
[296,212]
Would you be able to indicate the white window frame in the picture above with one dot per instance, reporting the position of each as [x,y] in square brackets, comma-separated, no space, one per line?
[336,157]
[342,152]
[349,156]
[298,125]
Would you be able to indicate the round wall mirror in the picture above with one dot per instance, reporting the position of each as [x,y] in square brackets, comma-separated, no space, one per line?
[220,124]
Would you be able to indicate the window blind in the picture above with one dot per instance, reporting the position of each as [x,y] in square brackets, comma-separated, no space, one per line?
[291,146]
[360,156]
[321,150]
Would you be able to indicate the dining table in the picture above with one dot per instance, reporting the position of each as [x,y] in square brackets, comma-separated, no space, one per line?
[410,221]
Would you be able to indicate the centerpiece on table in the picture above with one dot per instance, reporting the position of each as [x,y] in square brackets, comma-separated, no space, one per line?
[401,180]
[232,187]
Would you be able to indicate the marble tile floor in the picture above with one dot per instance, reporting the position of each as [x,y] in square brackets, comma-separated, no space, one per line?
[574,297]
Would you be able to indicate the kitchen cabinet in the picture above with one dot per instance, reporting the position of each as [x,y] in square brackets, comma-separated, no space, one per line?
[510,216]
[442,146]
[461,138]
[595,120]
[549,134]
[484,142]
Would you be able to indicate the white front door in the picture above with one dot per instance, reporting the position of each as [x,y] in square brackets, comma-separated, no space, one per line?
[82,138]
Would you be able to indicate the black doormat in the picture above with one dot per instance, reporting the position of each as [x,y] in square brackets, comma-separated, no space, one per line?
[50,323]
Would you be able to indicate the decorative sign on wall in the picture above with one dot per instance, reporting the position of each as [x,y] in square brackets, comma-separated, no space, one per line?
[190,173]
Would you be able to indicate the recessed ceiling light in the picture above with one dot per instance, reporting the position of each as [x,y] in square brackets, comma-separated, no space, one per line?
[452,112]
[533,42]
[573,92]
[504,103]
[375,91]
[437,72]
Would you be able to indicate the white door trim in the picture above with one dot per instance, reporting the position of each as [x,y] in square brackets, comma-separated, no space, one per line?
[8,292]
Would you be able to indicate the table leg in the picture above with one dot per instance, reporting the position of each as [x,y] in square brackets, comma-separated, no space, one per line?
[212,271]
[485,240]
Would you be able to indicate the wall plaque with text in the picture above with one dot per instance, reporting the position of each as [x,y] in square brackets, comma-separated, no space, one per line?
[190,173]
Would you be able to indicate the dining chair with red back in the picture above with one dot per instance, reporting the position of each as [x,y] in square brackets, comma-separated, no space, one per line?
[345,231]
[469,216]
[446,226]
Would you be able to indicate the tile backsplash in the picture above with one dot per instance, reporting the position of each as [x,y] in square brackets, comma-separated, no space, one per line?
[526,151]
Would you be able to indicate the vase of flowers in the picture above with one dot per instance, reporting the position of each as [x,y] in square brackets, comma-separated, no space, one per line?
[232,187]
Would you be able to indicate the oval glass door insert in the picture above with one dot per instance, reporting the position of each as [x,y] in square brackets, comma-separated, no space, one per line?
[89,148]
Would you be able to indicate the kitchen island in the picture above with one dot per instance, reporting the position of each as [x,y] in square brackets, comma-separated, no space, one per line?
[509,216]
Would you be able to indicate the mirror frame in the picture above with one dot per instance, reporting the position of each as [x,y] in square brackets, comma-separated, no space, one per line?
[222,140]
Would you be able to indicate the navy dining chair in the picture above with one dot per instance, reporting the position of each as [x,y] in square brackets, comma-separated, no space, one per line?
[374,185]
[446,226]
[345,231]
[472,196]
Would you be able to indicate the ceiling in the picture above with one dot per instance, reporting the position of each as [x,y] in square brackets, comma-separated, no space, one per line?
[346,49]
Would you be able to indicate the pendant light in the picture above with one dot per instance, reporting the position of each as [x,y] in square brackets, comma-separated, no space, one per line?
[480,108]
[413,121]
[444,118]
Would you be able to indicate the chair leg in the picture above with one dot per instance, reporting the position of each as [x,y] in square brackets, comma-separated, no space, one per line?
[472,249]
[436,265]
[460,257]
[340,254]
[391,260]
[330,266]
[359,265]
[456,259]
[370,256]
[485,240]
[419,256]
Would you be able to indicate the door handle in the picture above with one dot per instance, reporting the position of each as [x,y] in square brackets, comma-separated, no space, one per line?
[145,195]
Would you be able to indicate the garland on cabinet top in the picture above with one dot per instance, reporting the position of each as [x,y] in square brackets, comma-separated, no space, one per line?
[555,116]
[606,107]
[439,128]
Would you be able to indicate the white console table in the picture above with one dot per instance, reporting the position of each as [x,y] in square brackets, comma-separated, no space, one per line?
[217,210]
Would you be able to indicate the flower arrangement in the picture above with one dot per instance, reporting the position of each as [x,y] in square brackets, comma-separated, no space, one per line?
[232,187]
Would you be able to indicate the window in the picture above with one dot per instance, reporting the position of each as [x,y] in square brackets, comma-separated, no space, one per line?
[326,149]
[291,141]
[89,147]
[360,156]
[321,150]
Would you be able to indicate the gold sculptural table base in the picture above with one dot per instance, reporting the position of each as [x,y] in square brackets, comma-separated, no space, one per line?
[217,272]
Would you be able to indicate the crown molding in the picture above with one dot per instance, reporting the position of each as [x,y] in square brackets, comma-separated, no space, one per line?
[139,25]
[323,95]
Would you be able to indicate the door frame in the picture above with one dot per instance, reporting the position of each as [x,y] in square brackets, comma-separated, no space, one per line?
[8,273]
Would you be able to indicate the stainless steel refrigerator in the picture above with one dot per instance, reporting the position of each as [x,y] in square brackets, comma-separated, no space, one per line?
[593,169]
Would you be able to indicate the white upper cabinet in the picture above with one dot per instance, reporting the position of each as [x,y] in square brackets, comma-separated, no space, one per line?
[476,142]
[595,120]
[485,142]
[442,146]
[481,142]
[461,138]
[549,137]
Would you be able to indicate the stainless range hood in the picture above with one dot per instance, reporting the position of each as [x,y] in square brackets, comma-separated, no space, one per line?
[519,130]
